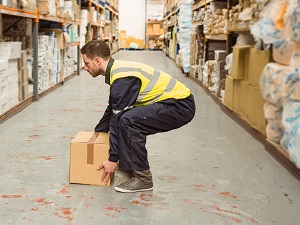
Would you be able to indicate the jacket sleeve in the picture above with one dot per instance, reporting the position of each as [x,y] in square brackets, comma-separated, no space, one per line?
[123,93]
[103,125]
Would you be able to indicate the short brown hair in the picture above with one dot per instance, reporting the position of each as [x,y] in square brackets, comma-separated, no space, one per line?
[96,48]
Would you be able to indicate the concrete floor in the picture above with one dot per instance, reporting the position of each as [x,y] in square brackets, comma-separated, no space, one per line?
[209,172]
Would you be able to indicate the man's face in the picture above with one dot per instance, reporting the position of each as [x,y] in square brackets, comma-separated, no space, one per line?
[92,66]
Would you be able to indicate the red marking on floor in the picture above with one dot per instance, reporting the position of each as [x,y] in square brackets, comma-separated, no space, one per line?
[28,141]
[91,197]
[195,159]
[227,194]
[19,171]
[233,206]
[43,201]
[171,178]
[63,191]
[213,187]
[110,215]
[115,209]
[29,219]
[96,111]
[192,201]
[64,213]
[253,220]
[11,196]
[34,209]
[46,157]
[71,110]
[86,205]
[136,202]
[198,187]
[230,217]
[68,196]
[34,136]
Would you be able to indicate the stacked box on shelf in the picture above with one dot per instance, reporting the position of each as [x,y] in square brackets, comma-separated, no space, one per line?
[18,30]
[23,77]
[10,3]
[71,60]
[215,18]
[9,54]
[4,106]
[47,7]
[44,62]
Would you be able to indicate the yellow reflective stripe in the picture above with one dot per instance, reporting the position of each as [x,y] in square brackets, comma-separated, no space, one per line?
[127,69]
[171,85]
[149,86]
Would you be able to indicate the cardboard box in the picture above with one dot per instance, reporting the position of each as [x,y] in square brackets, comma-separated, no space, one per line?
[88,150]
[60,36]
[239,62]
[23,92]
[255,106]
[23,76]
[156,28]
[228,100]
[17,26]
[243,100]
[22,62]
[10,50]
[257,61]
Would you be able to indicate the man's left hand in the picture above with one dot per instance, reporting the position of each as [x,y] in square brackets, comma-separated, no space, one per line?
[109,170]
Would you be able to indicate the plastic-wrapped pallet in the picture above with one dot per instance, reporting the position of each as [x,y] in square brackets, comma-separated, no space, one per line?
[279,25]
[275,128]
[272,83]
[185,22]
[291,138]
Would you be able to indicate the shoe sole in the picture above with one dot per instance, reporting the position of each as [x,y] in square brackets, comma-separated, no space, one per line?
[132,191]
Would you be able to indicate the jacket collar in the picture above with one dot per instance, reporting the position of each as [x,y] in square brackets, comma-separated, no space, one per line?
[108,70]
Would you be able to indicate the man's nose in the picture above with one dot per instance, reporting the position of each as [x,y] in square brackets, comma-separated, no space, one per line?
[84,67]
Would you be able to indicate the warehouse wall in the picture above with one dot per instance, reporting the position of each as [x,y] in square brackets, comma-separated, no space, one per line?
[132,17]
[155,10]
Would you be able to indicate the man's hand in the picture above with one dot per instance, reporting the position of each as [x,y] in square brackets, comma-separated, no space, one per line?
[109,170]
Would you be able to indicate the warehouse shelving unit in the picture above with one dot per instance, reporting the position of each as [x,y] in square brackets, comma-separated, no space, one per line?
[104,29]
[63,24]
[153,35]
[170,30]
[232,31]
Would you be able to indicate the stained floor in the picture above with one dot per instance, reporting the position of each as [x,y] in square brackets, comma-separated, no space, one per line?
[208,172]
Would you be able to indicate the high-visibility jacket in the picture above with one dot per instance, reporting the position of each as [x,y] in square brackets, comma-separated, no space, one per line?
[156,85]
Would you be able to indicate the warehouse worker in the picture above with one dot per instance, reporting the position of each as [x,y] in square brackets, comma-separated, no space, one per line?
[142,101]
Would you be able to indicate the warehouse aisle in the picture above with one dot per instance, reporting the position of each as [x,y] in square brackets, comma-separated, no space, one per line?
[209,172]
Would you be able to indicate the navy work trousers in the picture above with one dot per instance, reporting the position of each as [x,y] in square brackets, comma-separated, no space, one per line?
[128,133]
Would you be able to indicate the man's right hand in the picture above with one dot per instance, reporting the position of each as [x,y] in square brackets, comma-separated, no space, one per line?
[109,170]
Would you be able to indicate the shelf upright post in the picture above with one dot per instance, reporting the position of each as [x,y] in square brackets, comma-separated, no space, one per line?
[89,28]
[97,28]
[35,55]
[78,46]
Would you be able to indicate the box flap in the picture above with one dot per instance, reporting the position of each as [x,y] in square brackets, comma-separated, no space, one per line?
[82,137]
[103,138]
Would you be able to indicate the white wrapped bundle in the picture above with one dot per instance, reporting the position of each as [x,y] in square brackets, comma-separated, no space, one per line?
[291,122]
[271,82]
[291,87]
[292,21]
[275,128]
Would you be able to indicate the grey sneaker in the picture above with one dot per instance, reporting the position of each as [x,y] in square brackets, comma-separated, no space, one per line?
[141,181]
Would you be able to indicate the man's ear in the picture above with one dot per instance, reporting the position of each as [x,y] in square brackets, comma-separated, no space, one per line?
[98,61]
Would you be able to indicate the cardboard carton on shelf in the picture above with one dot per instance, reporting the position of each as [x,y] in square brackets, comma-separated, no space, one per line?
[239,68]
[87,151]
